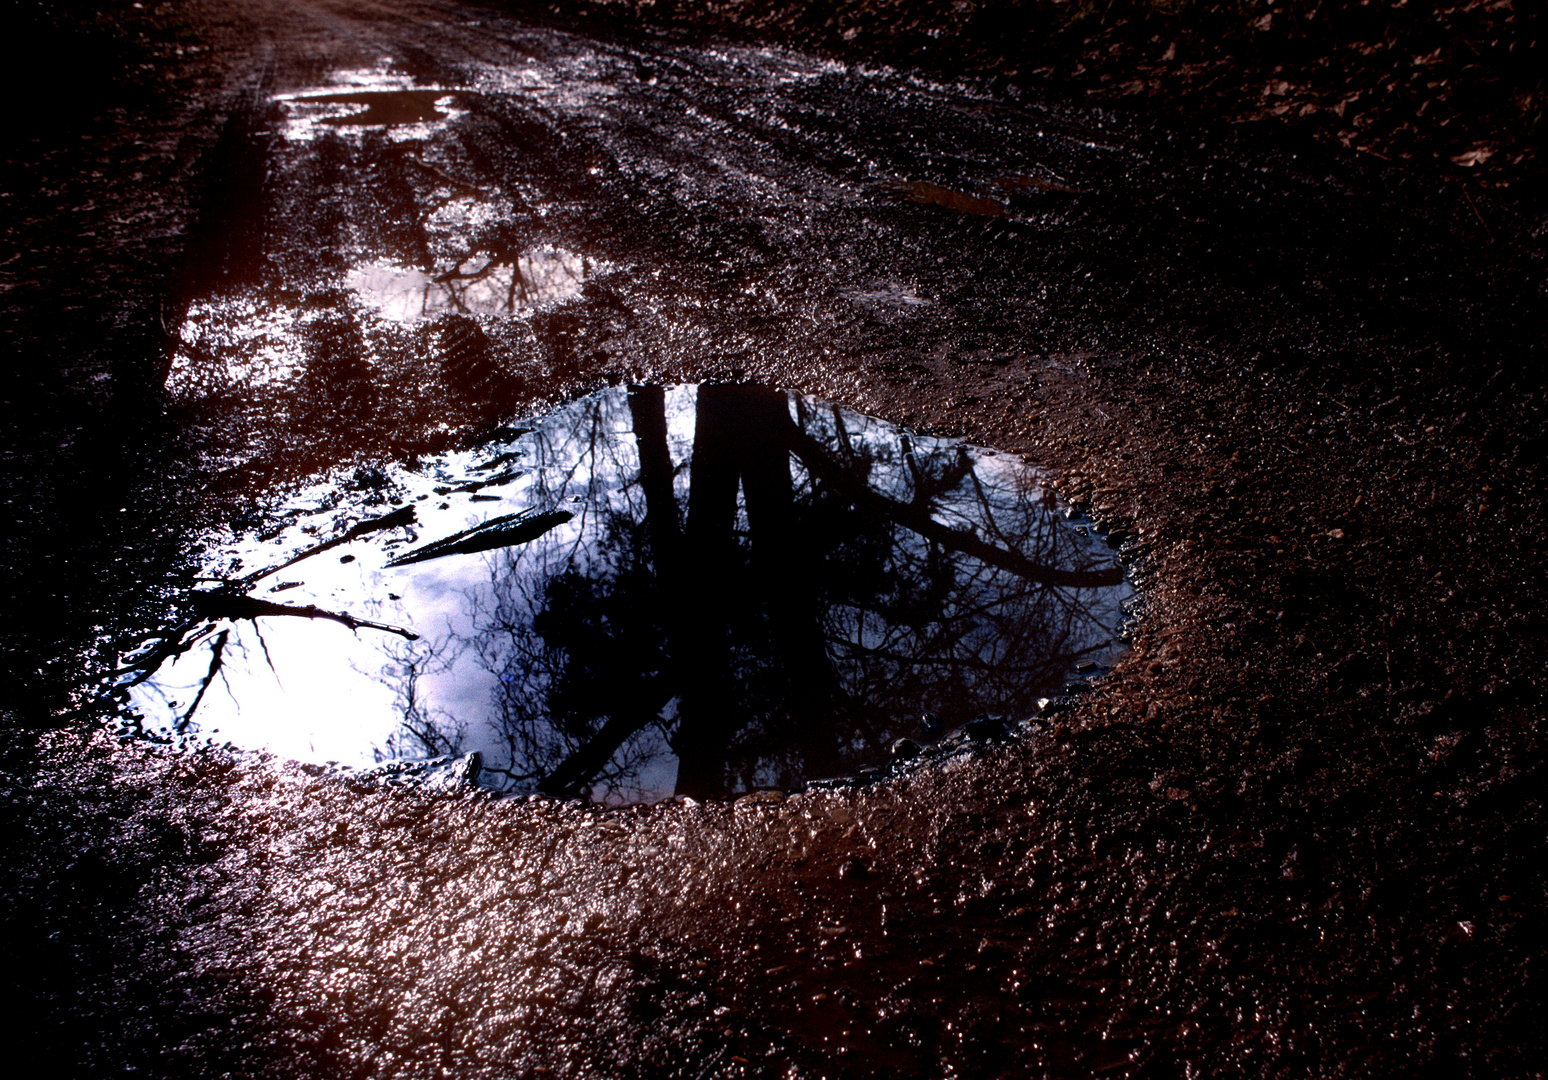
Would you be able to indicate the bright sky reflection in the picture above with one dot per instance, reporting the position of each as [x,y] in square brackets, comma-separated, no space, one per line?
[952,588]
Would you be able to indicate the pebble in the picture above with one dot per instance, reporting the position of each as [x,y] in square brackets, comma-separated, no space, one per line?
[757,798]
[853,868]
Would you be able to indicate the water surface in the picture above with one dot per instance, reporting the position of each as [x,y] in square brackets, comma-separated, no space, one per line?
[698,590]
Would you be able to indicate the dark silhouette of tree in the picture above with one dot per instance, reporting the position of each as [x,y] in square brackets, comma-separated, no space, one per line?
[828,579]
[774,597]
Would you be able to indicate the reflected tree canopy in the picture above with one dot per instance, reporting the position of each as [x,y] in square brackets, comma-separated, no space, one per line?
[775,598]
[697,590]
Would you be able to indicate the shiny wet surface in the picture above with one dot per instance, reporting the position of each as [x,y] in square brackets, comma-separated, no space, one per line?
[716,589]
[385,107]
[1294,835]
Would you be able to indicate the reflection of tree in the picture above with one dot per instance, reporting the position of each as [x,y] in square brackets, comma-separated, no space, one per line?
[573,633]
[503,283]
[859,579]
[424,731]
[319,364]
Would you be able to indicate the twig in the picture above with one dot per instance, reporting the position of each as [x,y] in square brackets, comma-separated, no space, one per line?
[1468,195]
[505,531]
[400,518]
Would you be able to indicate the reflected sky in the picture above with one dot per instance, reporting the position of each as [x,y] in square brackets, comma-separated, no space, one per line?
[694,590]
[481,284]
[364,99]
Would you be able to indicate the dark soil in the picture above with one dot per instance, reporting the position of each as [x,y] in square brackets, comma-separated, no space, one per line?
[1299,832]
[1433,83]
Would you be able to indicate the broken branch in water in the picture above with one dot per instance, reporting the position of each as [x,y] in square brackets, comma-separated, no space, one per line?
[497,532]
[167,646]
[234,606]
[399,518]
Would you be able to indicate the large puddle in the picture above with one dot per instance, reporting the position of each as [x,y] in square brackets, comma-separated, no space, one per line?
[692,590]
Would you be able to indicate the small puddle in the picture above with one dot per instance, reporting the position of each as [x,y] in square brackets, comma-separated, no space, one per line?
[479,285]
[374,101]
[693,590]
[384,107]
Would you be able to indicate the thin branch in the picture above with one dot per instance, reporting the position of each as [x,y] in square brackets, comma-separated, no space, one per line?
[217,652]
[504,531]
[918,520]
[219,605]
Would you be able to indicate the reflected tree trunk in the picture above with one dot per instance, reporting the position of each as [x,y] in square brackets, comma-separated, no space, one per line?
[787,580]
[707,712]
[647,410]
[742,438]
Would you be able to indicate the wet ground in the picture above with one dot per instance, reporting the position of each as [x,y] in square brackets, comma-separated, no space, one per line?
[1297,828]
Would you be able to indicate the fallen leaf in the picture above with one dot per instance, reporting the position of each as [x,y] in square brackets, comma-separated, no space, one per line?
[1477,155]
[935,195]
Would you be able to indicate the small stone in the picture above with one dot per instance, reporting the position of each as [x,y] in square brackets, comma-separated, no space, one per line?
[903,749]
[853,868]
[761,798]
[1086,667]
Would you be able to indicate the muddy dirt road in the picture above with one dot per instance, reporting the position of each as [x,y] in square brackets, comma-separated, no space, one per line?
[1297,831]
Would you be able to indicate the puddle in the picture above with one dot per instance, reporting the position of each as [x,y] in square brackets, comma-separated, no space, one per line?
[371,98]
[480,285]
[388,108]
[695,590]
[259,344]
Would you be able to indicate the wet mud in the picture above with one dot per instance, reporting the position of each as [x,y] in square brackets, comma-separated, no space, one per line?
[1295,830]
